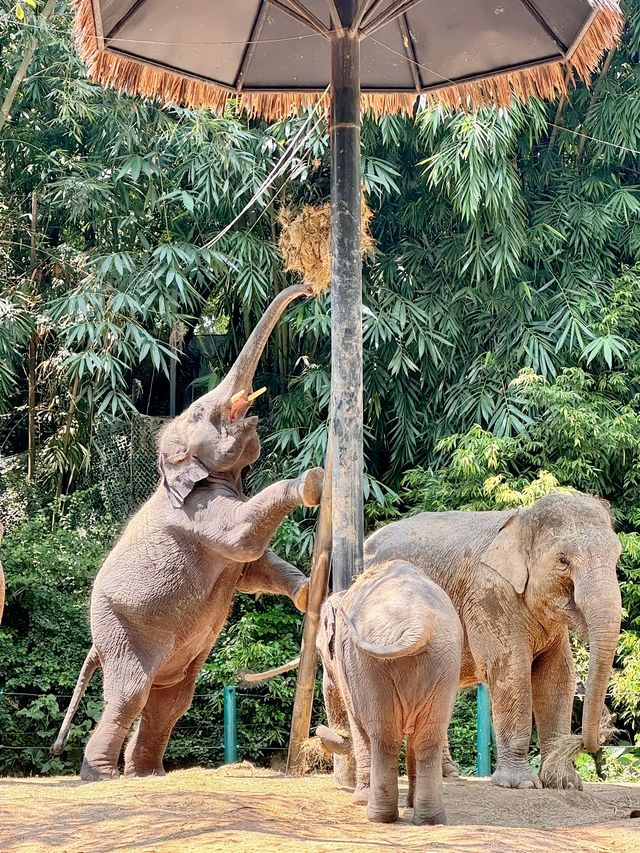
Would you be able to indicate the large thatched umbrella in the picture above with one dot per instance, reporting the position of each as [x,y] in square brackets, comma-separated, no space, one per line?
[278,56]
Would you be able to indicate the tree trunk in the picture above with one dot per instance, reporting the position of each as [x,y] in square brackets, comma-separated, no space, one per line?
[31,358]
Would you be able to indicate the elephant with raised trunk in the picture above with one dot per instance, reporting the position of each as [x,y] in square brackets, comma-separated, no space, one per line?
[164,592]
[519,579]
[391,647]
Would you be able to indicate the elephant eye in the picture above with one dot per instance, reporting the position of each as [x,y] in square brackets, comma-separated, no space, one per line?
[198,412]
[563,562]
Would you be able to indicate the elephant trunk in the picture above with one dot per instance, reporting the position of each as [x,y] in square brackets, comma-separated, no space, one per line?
[240,376]
[333,741]
[600,604]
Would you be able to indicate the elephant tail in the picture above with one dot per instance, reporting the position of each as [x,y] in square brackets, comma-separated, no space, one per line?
[259,677]
[91,663]
[413,640]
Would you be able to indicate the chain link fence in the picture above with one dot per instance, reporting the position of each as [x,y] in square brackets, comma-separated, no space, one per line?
[121,463]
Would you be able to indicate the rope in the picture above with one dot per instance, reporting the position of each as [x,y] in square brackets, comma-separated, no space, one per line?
[277,170]
[456,83]
[112,40]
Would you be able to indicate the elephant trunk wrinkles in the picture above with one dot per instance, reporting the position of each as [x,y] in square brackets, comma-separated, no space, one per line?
[240,376]
[600,603]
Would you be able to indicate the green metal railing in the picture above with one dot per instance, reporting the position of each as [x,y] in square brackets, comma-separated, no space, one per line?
[483,731]
[484,735]
[230,725]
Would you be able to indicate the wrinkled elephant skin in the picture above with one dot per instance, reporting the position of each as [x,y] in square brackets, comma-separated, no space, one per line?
[518,580]
[391,670]
[164,592]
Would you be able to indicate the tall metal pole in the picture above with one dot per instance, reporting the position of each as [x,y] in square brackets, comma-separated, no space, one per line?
[346,315]
[346,301]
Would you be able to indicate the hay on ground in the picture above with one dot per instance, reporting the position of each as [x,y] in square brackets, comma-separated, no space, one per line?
[314,758]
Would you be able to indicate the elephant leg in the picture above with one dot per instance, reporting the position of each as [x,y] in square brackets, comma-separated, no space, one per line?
[383,796]
[428,802]
[126,688]
[510,689]
[362,754]
[164,707]
[273,575]
[553,686]
[449,767]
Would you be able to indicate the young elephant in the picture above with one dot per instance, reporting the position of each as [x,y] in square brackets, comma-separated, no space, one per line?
[165,590]
[391,647]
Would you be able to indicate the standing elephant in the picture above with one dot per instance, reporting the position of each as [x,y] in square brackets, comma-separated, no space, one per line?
[518,580]
[164,592]
[391,647]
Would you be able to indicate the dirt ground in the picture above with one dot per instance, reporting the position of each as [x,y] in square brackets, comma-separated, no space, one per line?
[247,809]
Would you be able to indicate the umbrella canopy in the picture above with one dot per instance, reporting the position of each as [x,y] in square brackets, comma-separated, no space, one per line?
[275,54]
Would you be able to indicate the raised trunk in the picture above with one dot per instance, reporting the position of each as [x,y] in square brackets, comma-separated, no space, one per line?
[601,605]
[240,376]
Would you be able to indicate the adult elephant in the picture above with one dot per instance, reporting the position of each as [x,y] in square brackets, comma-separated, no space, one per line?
[518,580]
[164,592]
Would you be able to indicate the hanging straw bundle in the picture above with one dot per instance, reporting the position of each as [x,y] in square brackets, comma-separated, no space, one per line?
[305,242]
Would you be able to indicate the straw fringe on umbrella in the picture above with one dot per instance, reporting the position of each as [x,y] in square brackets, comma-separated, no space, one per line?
[140,77]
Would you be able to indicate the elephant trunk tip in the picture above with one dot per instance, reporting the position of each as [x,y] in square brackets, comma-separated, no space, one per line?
[59,744]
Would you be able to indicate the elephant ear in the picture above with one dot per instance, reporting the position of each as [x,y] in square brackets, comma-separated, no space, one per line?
[180,470]
[506,556]
[179,476]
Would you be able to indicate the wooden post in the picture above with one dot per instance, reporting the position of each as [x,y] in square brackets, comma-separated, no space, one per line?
[318,583]
[31,355]
[346,313]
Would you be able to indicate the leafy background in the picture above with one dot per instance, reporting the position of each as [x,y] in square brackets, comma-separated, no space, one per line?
[501,343]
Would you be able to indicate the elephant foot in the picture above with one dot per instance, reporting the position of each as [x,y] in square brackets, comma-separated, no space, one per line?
[95,773]
[360,796]
[439,819]
[565,779]
[134,773]
[515,776]
[378,816]
[449,769]
[301,597]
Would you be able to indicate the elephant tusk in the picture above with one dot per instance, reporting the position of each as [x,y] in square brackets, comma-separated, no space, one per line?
[238,396]
[256,394]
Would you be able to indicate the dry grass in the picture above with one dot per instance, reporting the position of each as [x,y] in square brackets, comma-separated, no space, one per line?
[305,242]
[567,748]
[314,758]
[250,809]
